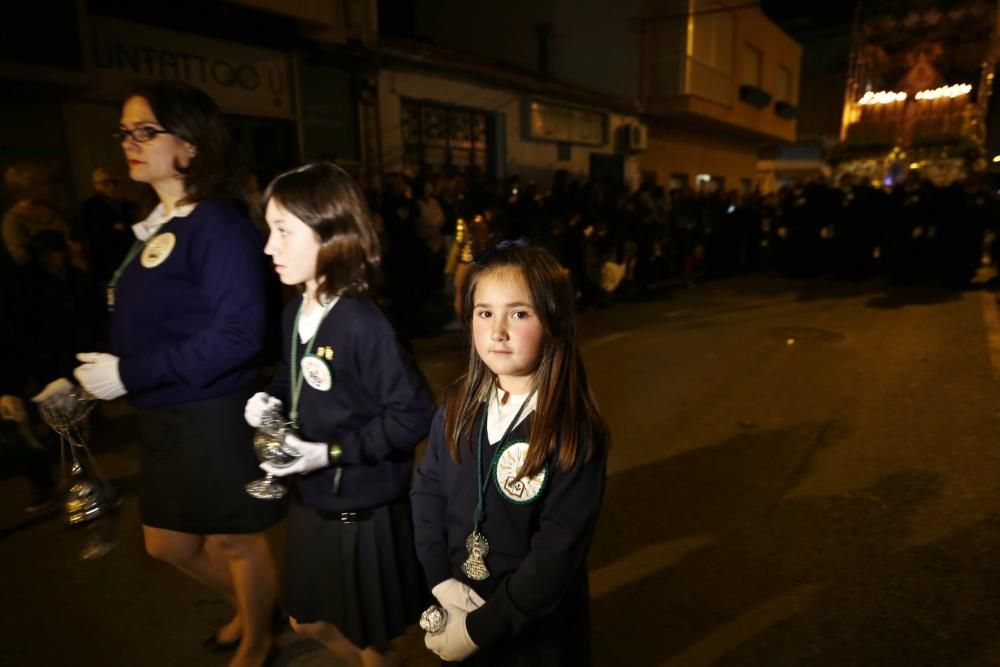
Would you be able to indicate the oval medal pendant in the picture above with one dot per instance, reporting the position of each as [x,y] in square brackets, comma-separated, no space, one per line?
[517,489]
[157,250]
[474,566]
[317,373]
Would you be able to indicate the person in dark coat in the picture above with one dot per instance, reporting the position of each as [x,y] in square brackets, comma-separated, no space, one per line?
[358,408]
[107,225]
[188,322]
[507,496]
[19,448]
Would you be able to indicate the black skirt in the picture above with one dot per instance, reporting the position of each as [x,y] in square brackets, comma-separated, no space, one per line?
[363,577]
[195,460]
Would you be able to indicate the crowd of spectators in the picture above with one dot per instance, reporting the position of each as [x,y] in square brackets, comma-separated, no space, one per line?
[611,239]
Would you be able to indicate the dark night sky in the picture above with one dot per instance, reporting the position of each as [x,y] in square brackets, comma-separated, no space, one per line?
[799,18]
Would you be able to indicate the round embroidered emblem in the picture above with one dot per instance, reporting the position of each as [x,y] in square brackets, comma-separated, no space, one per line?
[317,373]
[514,488]
[157,250]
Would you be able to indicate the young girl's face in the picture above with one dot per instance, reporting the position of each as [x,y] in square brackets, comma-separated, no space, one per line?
[292,245]
[506,330]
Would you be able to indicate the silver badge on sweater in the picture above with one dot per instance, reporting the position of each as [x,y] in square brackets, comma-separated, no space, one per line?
[317,373]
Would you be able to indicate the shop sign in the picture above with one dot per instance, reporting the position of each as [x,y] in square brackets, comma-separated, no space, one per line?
[242,79]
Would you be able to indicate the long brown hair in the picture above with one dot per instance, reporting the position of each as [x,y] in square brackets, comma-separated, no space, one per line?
[326,198]
[566,423]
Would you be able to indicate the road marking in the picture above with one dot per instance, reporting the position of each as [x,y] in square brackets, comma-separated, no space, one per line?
[642,563]
[728,637]
[991,317]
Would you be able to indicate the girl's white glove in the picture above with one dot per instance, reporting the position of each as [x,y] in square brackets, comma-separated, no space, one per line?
[312,456]
[453,593]
[259,404]
[452,644]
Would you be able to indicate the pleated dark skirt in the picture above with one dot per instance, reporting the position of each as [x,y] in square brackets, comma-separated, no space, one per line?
[362,577]
[195,460]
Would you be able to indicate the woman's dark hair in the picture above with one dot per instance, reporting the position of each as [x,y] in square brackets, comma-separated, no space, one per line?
[191,115]
[326,198]
[567,425]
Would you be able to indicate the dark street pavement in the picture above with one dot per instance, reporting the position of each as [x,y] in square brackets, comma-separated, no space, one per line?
[803,473]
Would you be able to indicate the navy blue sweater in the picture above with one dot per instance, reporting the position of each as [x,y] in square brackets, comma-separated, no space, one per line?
[378,409]
[190,328]
[538,549]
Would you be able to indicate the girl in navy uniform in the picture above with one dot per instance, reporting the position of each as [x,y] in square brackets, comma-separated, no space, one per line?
[507,496]
[358,407]
[186,329]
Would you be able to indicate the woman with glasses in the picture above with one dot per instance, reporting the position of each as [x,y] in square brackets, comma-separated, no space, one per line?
[187,323]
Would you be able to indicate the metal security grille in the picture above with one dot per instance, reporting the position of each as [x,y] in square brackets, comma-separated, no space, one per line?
[436,136]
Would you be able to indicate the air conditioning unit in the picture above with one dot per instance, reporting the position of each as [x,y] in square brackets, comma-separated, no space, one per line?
[754,96]
[635,137]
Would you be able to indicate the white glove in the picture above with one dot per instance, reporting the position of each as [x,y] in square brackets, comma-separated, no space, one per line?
[99,375]
[453,593]
[259,404]
[452,644]
[312,456]
[59,387]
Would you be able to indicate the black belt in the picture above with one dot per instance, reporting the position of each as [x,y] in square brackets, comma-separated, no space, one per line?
[345,517]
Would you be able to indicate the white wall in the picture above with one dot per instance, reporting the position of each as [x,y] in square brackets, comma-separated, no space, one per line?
[534,159]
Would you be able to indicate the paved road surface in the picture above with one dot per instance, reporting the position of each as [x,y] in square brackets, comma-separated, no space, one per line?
[802,474]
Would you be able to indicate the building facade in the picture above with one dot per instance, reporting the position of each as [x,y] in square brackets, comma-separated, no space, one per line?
[694,70]
[440,110]
[720,83]
[289,76]
[680,92]
[543,85]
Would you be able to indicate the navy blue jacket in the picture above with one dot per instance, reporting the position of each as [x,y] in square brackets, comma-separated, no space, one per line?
[378,409]
[190,328]
[538,549]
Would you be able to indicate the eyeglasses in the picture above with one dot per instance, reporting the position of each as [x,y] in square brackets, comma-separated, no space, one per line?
[140,134]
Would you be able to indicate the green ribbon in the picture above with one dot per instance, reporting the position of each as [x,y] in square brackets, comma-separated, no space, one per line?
[477,516]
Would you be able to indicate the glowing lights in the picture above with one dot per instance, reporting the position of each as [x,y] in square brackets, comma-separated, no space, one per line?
[882,97]
[957,90]
[890,96]
[996,158]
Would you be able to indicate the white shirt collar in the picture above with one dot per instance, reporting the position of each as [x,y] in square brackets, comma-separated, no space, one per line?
[499,414]
[309,323]
[145,229]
